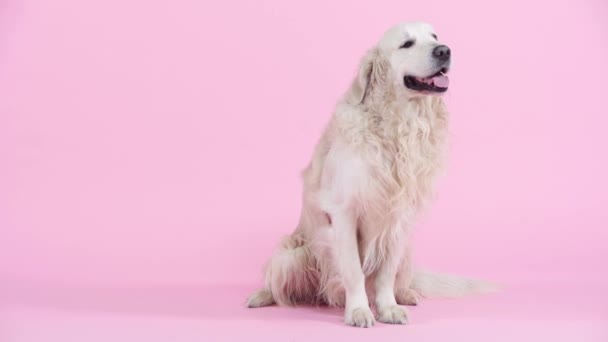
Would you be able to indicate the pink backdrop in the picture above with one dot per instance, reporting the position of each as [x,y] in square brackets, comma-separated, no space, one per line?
[160,143]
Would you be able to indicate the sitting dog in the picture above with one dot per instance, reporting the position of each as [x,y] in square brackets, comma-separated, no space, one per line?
[371,173]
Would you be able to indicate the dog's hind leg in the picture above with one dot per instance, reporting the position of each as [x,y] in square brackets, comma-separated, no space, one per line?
[260,298]
[404,294]
[290,276]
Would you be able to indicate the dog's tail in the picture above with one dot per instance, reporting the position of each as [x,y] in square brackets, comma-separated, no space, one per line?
[449,286]
[290,276]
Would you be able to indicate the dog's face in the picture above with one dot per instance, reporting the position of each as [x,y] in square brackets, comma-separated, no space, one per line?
[417,58]
[409,58]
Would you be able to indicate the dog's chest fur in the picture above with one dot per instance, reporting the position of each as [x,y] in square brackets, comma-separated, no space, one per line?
[405,151]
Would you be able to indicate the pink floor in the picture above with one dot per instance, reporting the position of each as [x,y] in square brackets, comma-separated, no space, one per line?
[551,309]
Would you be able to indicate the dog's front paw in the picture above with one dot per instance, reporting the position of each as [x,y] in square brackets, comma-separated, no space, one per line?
[393,315]
[359,317]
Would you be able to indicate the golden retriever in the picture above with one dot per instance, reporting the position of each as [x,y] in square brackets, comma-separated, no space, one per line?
[371,173]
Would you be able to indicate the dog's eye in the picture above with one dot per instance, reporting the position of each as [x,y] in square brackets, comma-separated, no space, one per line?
[434,36]
[407,44]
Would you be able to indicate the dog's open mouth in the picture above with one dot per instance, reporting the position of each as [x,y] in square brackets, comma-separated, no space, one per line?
[436,83]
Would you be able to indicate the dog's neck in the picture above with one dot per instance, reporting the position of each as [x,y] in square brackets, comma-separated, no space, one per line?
[390,107]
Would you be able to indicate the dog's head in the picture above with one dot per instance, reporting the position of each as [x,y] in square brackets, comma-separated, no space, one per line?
[409,61]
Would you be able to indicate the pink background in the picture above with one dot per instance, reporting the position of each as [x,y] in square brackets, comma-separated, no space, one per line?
[150,155]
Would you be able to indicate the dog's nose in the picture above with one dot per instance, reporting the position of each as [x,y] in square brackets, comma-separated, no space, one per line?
[441,52]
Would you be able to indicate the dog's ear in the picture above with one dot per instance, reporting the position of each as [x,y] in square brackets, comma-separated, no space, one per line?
[371,73]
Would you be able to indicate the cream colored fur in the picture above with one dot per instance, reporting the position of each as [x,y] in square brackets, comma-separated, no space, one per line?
[371,173]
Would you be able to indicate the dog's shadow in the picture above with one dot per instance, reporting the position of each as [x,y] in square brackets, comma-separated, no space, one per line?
[182,301]
[199,302]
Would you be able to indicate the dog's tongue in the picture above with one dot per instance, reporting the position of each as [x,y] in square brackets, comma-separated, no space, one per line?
[441,81]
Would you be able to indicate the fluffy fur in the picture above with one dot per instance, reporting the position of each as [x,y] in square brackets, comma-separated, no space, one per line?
[371,173]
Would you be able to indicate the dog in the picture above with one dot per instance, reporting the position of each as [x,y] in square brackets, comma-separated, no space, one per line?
[371,173]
